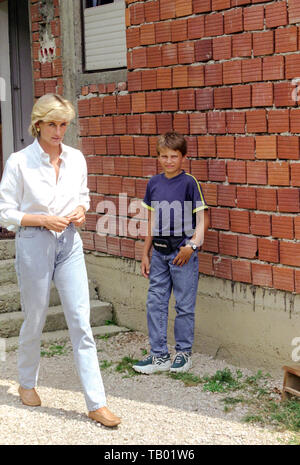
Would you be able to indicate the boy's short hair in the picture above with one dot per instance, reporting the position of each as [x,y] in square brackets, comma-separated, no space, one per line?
[172,140]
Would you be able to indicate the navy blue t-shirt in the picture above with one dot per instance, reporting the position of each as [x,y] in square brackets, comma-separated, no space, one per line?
[175,202]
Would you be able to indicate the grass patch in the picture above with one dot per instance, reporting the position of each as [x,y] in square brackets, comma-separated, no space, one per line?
[125,366]
[110,322]
[223,381]
[54,349]
[105,364]
[189,379]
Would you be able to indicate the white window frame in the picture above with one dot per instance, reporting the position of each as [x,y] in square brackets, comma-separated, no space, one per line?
[106,22]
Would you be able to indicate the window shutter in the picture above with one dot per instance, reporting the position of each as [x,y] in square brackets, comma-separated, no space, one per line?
[105,36]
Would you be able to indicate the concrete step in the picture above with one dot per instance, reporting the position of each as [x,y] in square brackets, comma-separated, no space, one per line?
[10,323]
[7,249]
[10,297]
[7,271]
[11,343]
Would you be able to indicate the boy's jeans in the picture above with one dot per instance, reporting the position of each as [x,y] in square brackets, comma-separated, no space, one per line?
[184,280]
[43,256]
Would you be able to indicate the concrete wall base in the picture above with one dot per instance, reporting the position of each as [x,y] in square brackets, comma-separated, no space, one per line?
[246,325]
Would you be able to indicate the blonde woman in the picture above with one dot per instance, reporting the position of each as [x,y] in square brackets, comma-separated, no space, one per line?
[43,197]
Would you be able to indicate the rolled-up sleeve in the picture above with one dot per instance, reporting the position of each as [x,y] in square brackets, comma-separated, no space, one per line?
[84,195]
[10,197]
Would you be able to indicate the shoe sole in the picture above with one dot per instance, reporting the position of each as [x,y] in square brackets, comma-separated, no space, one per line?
[150,370]
[182,369]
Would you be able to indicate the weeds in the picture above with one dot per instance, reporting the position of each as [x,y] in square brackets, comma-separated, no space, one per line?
[54,349]
[125,366]
[189,379]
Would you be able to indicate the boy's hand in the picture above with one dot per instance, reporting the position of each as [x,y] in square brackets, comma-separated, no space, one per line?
[145,266]
[183,256]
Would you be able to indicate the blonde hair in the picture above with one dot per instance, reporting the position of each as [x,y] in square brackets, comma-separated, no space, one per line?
[50,107]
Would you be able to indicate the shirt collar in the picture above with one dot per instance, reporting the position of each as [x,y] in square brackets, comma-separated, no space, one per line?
[44,155]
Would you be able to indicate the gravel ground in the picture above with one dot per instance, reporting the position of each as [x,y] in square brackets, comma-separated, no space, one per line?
[155,410]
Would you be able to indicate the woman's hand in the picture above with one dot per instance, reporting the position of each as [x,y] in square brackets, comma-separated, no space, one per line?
[77,216]
[145,266]
[183,256]
[55,223]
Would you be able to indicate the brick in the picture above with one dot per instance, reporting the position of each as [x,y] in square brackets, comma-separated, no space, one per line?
[241,271]
[216,122]
[283,92]
[198,123]
[278,174]
[192,146]
[135,167]
[121,166]
[247,246]
[110,105]
[261,274]
[263,43]
[246,197]
[222,48]
[216,170]
[266,147]
[154,58]
[152,11]
[241,96]
[149,79]
[232,72]
[242,45]
[226,196]
[233,21]
[133,37]
[290,253]
[283,278]
[137,14]
[278,121]
[128,186]
[219,218]
[167,9]
[256,121]
[295,120]
[266,199]
[163,32]
[254,18]
[196,27]
[273,68]
[113,145]
[244,148]
[179,30]
[292,66]
[141,146]
[183,7]
[169,54]
[195,76]
[138,102]
[225,146]
[186,99]
[239,221]
[164,123]
[276,14]
[297,227]
[126,145]
[170,100]
[222,267]
[222,97]
[236,172]
[282,227]
[203,50]
[199,169]
[164,78]
[83,107]
[206,146]
[149,124]
[252,70]
[206,264]
[180,76]
[134,125]
[288,200]
[228,244]
[286,40]
[210,193]
[256,172]
[201,6]
[295,171]
[268,250]
[153,101]
[100,145]
[294,11]
[205,99]
[214,25]
[235,122]
[213,74]
[211,241]
[220,4]
[94,127]
[262,94]
[260,224]
[139,58]
[181,123]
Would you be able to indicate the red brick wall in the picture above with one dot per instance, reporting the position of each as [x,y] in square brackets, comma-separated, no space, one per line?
[219,71]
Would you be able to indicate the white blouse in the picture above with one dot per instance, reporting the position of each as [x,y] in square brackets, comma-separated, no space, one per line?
[29,185]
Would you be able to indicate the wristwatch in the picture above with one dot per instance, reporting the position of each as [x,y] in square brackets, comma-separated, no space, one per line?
[192,244]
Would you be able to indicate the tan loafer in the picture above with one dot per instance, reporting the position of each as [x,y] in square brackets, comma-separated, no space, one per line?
[104,416]
[29,397]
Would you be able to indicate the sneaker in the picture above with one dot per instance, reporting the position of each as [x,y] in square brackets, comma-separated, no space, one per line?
[182,362]
[151,364]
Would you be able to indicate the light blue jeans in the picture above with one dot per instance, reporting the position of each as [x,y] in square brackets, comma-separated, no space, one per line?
[42,257]
[164,276]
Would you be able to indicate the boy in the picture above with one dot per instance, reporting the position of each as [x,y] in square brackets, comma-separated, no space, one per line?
[176,226]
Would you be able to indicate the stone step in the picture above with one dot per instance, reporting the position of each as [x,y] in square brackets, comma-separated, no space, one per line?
[7,249]
[7,271]
[10,297]
[10,323]
[11,343]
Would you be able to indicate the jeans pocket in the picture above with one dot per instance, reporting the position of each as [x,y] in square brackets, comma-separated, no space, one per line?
[28,233]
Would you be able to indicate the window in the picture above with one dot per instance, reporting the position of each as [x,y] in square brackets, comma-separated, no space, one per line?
[104,34]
